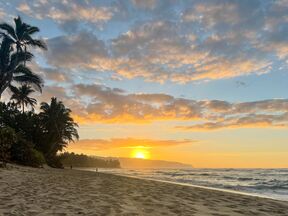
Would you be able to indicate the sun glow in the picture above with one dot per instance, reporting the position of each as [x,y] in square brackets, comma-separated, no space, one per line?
[140,153]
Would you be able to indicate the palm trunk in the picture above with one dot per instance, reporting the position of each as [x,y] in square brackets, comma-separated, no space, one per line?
[23,107]
[25,56]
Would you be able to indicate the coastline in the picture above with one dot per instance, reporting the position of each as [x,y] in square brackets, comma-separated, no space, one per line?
[30,191]
[198,186]
[247,193]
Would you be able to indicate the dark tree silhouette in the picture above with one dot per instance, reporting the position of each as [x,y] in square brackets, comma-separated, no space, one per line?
[58,126]
[38,136]
[81,160]
[13,63]
[21,35]
[21,96]
[7,139]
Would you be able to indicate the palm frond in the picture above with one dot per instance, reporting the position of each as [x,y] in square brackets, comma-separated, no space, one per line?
[20,57]
[8,29]
[28,77]
[37,43]
[32,30]
[12,62]
[5,50]
[19,27]
[13,89]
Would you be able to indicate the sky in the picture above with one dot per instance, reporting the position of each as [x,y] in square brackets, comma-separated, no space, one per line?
[199,82]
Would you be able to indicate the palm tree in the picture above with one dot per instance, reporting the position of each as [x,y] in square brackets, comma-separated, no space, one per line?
[12,68]
[58,126]
[13,63]
[21,35]
[21,96]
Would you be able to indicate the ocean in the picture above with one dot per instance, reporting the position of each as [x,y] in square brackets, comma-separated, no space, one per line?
[271,183]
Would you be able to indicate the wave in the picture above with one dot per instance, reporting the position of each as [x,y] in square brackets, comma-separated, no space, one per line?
[268,182]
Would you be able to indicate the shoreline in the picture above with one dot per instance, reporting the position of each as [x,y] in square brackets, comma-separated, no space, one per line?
[191,185]
[32,191]
[197,186]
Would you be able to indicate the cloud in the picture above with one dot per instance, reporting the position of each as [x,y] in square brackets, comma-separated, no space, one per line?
[51,73]
[248,121]
[83,50]
[186,42]
[111,105]
[25,8]
[97,103]
[148,4]
[259,114]
[211,14]
[160,50]
[64,11]
[3,14]
[163,41]
[92,145]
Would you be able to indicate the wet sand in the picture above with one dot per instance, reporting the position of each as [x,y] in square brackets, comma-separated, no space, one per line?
[30,191]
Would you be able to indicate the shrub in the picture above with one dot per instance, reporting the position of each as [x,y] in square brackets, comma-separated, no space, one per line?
[7,139]
[37,159]
[22,152]
[55,162]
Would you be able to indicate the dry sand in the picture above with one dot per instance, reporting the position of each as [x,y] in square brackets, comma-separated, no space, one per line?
[28,191]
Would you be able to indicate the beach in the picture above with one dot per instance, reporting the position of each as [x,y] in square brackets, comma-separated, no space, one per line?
[47,191]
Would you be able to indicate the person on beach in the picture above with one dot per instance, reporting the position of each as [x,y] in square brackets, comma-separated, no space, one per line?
[96,170]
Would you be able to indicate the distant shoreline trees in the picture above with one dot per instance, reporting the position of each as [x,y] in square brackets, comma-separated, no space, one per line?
[27,137]
[81,160]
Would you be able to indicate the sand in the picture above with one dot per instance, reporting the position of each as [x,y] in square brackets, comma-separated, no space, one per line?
[30,191]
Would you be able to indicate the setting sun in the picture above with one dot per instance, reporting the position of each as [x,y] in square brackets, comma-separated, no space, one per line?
[140,153]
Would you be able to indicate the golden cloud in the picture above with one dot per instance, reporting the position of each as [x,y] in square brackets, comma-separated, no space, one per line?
[93,145]
[113,105]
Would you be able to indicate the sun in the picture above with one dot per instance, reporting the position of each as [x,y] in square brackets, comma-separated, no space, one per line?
[140,153]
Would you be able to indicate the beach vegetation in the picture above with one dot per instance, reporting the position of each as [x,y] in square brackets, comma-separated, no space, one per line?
[14,53]
[7,139]
[58,129]
[81,160]
[27,136]
[21,96]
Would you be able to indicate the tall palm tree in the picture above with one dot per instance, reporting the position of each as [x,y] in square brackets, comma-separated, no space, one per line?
[21,96]
[12,68]
[21,35]
[58,125]
[14,62]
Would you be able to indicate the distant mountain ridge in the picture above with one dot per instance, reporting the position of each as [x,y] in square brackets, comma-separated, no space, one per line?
[144,163]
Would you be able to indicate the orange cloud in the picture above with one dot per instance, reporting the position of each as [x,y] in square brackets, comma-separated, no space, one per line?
[94,145]
[175,58]
[98,103]
[66,11]
[249,121]
[206,40]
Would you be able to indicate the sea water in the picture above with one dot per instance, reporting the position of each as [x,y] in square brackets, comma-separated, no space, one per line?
[272,183]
